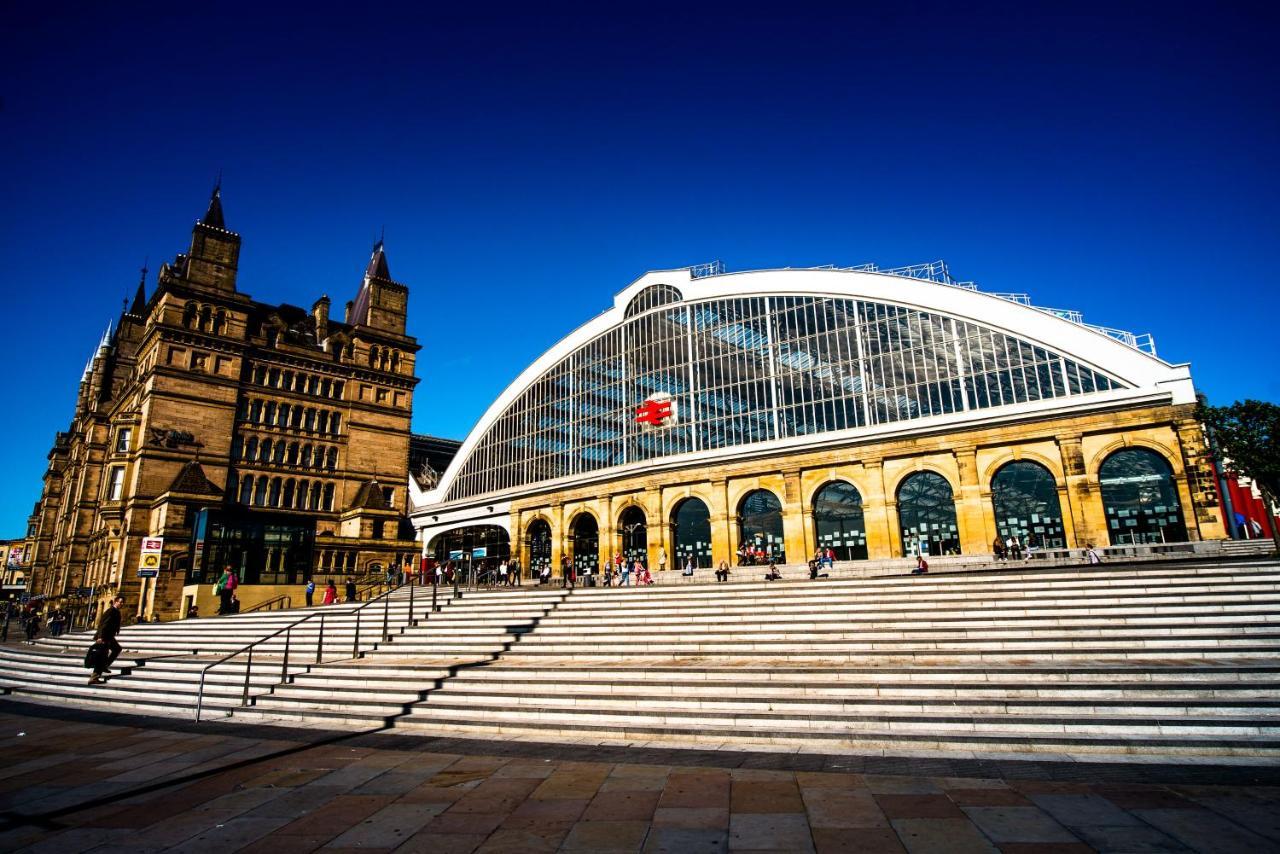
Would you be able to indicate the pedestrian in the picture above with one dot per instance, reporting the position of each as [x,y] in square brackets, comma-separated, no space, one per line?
[643,576]
[997,548]
[515,573]
[814,567]
[502,574]
[108,628]
[831,558]
[688,567]
[310,591]
[226,585]
[351,589]
[722,574]
[331,593]
[625,581]
[55,623]
[1017,548]
[1091,554]
[662,559]
[922,566]
[773,574]
[33,627]
[235,604]
[608,575]
[544,574]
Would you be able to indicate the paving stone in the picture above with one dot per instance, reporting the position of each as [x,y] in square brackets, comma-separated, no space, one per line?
[623,805]
[1202,830]
[428,842]
[535,813]
[1018,824]
[388,827]
[941,836]
[772,796]
[75,841]
[1082,810]
[1127,839]
[276,843]
[606,836]
[693,818]
[881,784]
[769,832]
[856,840]
[230,836]
[465,823]
[1257,814]
[917,806]
[843,809]
[987,798]
[685,840]
[514,841]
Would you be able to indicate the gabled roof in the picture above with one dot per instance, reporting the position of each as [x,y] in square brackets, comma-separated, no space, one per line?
[369,497]
[193,481]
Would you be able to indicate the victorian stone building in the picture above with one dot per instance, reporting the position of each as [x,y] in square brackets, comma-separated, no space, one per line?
[271,438]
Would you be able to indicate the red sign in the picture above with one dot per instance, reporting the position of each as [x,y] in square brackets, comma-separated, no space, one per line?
[653,412]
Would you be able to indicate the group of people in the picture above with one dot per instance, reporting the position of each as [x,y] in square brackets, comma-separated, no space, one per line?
[618,572]
[750,554]
[1009,548]
[31,620]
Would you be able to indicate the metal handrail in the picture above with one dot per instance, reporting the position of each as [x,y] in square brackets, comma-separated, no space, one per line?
[266,606]
[288,632]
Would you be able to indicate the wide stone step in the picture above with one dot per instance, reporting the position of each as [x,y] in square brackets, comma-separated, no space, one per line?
[882,739]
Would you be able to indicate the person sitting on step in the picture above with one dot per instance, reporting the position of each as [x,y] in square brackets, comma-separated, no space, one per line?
[773,574]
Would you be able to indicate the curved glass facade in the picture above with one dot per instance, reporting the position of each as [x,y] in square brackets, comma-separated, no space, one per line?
[752,369]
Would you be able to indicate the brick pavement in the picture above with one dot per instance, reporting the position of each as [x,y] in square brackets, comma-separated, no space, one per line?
[74,781]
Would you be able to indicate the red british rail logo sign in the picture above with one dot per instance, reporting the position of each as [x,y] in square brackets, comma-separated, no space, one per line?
[653,412]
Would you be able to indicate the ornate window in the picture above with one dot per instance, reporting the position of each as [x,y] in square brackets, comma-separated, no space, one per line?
[652,297]
[838,522]
[1140,498]
[1025,499]
[927,515]
[586,543]
[760,525]
[691,533]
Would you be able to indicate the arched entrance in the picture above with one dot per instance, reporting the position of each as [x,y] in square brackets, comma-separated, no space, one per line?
[691,533]
[537,538]
[927,515]
[635,535]
[1140,498]
[475,549]
[760,525]
[1025,499]
[838,522]
[586,544]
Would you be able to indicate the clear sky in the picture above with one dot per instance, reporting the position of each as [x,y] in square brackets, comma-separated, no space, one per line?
[1118,159]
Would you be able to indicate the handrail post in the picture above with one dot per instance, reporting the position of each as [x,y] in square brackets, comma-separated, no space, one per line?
[355,643]
[284,667]
[200,695]
[386,615]
[248,668]
[412,622]
[320,639]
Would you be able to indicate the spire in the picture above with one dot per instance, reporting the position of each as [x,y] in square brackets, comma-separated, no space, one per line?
[140,298]
[378,263]
[213,216]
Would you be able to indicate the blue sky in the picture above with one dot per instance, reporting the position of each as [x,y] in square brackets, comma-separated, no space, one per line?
[1119,159]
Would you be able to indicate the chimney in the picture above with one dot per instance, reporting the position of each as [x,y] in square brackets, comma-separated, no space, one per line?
[350,305]
[320,313]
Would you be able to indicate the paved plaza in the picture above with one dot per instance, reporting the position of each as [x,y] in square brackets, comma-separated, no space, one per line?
[76,781]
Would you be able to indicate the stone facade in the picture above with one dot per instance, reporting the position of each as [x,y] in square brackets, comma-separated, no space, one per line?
[199,398]
[1072,448]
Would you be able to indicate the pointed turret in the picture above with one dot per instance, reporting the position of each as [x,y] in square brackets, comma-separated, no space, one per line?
[140,296]
[215,251]
[213,216]
[381,302]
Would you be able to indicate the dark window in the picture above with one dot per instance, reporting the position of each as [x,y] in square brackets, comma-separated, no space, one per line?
[692,534]
[1025,499]
[1140,498]
[927,515]
[838,521]
[760,525]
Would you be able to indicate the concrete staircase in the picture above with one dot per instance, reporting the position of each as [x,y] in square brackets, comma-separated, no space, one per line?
[1172,658]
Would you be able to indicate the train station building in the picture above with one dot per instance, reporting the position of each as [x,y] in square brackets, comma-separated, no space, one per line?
[880,413]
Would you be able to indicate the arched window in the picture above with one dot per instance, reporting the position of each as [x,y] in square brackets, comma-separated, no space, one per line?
[251,448]
[295,419]
[332,462]
[1140,498]
[322,421]
[373,357]
[220,322]
[309,420]
[282,417]
[246,489]
[289,487]
[260,491]
[691,533]
[838,522]
[189,315]
[1025,499]
[335,423]
[337,390]
[292,456]
[237,447]
[264,450]
[300,502]
[305,459]
[206,318]
[328,496]
[277,453]
[325,387]
[255,412]
[260,375]
[312,385]
[586,543]
[233,485]
[635,535]
[760,525]
[395,360]
[652,297]
[274,382]
[269,412]
[927,515]
[538,536]
[274,497]
[315,496]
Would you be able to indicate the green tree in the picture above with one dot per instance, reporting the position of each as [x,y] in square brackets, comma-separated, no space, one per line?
[1245,434]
